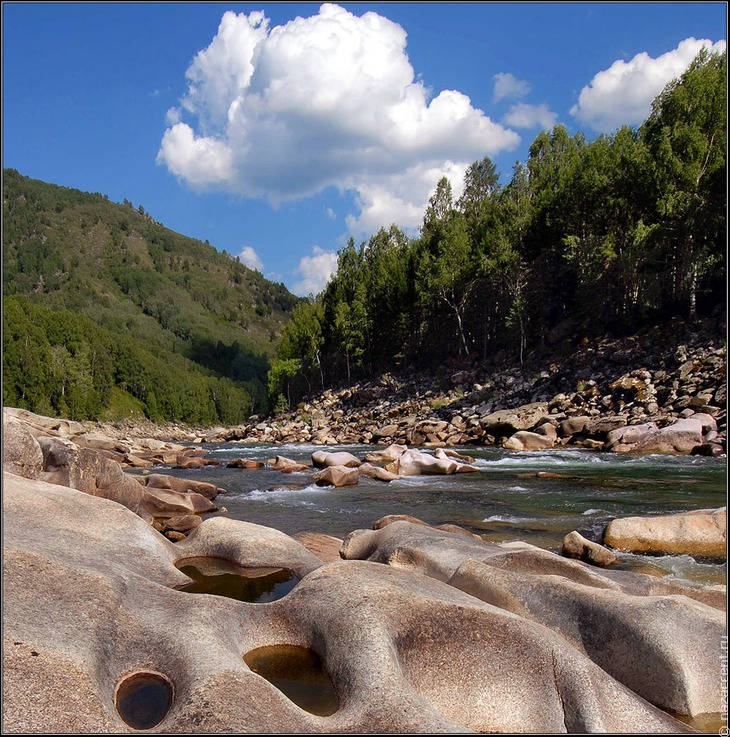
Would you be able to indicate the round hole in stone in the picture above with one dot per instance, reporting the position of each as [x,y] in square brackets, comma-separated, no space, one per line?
[224,578]
[143,699]
[298,673]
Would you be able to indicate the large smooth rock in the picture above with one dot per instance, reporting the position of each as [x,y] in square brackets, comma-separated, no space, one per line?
[709,423]
[248,545]
[185,486]
[41,425]
[99,441]
[626,438]
[599,427]
[287,465]
[386,455]
[376,472]
[680,437]
[325,547]
[323,459]
[701,532]
[507,422]
[524,440]
[22,455]
[576,546]
[572,426]
[245,463]
[407,654]
[610,616]
[416,463]
[648,643]
[336,476]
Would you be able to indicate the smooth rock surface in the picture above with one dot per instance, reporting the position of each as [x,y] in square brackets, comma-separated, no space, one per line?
[669,659]
[337,476]
[406,653]
[701,532]
[578,547]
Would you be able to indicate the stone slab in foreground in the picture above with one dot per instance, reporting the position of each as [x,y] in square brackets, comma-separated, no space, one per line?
[90,598]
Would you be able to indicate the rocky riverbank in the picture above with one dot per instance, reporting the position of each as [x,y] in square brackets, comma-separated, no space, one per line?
[612,394]
[586,399]
[418,628]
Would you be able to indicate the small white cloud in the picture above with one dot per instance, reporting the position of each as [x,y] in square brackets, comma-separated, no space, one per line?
[249,257]
[523,115]
[200,161]
[172,116]
[314,272]
[331,214]
[623,93]
[507,85]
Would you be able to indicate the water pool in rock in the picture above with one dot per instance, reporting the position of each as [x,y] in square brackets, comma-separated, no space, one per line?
[143,699]
[223,578]
[298,673]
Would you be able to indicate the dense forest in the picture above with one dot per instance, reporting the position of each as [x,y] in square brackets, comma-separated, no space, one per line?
[108,314]
[587,238]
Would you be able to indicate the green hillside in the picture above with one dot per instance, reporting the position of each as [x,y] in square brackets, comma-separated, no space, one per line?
[177,306]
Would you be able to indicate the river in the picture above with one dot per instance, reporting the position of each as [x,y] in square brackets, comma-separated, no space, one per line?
[507,500]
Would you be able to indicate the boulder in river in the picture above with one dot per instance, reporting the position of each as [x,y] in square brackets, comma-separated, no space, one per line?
[577,546]
[376,472]
[700,532]
[386,455]
[416,463]
[287,465]
[245,463]
[337,476]
[525,440]
[323,458]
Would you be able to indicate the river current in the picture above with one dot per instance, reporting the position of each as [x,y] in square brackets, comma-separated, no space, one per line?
[537,497]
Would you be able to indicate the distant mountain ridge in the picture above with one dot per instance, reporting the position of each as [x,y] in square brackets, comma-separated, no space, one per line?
[178,300]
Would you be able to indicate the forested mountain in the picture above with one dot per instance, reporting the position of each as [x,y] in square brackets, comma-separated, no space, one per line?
[107,311]
[586,239]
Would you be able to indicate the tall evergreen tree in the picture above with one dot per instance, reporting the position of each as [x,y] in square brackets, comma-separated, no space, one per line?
[686,134]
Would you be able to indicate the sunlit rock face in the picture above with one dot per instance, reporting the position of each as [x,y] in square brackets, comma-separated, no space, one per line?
[700,532]
[658,638]
[451,635]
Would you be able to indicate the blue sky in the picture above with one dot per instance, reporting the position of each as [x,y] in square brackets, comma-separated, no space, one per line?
[277,130]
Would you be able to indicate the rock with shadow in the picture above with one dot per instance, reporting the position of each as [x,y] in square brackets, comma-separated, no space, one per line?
[98,636]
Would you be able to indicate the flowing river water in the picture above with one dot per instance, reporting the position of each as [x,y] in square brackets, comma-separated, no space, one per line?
[537,497]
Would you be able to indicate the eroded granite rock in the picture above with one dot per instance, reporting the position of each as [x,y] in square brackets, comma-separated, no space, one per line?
[91,597]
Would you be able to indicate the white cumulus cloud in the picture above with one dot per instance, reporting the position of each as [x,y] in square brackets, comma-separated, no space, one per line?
[623,93]
[314,271]
[507,85]
[523,115]
[330,100]
[250,258]
[400,198]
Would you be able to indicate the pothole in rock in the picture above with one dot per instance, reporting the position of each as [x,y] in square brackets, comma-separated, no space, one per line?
[714,723]
[298,673]
[143,699]
[224,578]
